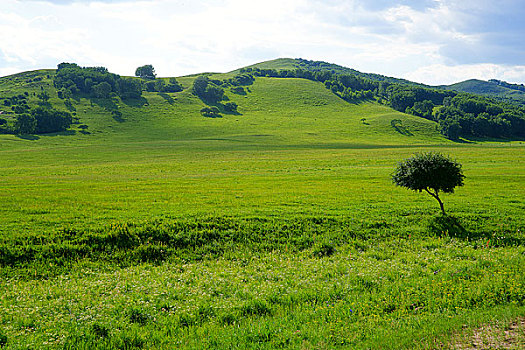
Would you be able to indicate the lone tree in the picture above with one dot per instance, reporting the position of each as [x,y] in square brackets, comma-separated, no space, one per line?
[145,72]
[429,172]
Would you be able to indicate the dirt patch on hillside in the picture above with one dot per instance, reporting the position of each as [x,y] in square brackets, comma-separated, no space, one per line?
[494,336]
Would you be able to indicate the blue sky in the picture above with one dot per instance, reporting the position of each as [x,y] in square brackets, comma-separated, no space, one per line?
[429,41]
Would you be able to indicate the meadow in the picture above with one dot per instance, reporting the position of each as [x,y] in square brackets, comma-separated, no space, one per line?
[275,228]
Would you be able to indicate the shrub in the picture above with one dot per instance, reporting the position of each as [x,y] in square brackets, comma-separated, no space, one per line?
[210,112]
[230,107]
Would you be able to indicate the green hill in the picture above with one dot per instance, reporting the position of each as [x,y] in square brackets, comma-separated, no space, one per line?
[487,88]
[273,111]
[492,88]
[317,66]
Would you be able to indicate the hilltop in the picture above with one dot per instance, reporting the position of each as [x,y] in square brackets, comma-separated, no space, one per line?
[491,88]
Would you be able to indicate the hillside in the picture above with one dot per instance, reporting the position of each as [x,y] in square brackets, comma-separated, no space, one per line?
[488,88]
[492,88]
[319,66]
[273,111]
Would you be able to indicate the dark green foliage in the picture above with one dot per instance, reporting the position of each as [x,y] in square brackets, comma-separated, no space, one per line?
[43,96]
[479,116]
[102,90]
[50,120]
[145,72]
[422,109]
[213,93]
[93,81]
[199,85]
[207,90]
[239,90]
[19,109]
[429,172]
[242,79]
[25,124]
[172,86]
[3,340]
[151,86]
[450,128]
[211,112]
[230,107]
[130,88]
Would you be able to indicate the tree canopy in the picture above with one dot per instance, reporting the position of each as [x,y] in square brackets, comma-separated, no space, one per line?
[94,82]
[145,72]
[429,172]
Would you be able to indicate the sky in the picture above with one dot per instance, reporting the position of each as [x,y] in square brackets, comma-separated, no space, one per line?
[428,41]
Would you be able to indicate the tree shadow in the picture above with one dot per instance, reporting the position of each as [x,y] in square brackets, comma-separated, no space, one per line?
[397,124]
[221,106]
[167,97]
[28,137]
[107,103]
[445,225]
[136,102]
[463,141]
[450,226]
[238,90]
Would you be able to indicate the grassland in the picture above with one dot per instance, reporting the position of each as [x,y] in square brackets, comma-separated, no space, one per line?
[275,228]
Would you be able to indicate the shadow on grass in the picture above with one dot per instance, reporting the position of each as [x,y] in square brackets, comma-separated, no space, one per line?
[397,124]
[444,225]
[135,102]
[28,137]
[222,107]
[450,226]
[33,137]
[167,97]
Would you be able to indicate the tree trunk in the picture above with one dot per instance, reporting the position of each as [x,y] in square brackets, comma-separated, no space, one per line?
[436,196]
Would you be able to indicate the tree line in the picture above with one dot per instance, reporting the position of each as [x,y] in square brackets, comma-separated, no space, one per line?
[72,80]
[95,82]
[458,114]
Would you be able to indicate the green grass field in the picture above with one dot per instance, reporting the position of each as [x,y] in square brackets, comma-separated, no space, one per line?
[275,228]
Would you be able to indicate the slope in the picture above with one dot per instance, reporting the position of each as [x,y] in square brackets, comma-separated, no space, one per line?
[487,88]
[492,88]
[317,66]
[274,112]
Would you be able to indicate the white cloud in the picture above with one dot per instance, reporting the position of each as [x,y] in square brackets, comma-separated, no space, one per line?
[408,39]
[440,74]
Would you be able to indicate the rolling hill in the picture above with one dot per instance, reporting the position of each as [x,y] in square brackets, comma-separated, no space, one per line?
[273,111]
[488,88]
[492,88]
